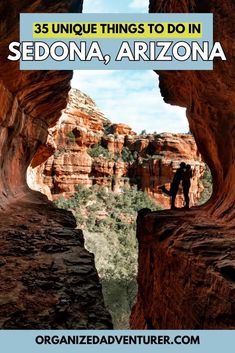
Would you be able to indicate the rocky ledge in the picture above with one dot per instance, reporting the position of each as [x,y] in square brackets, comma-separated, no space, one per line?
[48,279]
[186,272]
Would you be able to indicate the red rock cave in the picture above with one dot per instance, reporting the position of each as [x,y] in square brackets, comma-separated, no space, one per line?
[186,267]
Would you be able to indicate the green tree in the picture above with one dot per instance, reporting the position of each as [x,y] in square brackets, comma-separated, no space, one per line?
[208,186]
[109,223]
[99,151]
[71,136]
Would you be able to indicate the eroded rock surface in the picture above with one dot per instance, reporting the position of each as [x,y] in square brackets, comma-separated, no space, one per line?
[47,278]
[30,101]
[209,98]
[186,272]
[187,260]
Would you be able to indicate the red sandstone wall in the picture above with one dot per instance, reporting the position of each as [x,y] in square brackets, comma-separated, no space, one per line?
[186,260]
[209,98]
[30,101]
[48,279]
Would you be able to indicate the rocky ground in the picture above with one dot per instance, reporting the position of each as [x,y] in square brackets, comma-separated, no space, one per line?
[47,278]
[186,272]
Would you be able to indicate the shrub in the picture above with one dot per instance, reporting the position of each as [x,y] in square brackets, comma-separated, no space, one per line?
[208,186]
[99,151]
[60,151]
[107,128]
[143,132]
[126,155]
[71,136]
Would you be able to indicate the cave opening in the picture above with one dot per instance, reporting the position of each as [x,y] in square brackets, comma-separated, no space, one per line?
[48,279]
[112,93]
[105,172]
[114,145]
[151,158]
[116,142]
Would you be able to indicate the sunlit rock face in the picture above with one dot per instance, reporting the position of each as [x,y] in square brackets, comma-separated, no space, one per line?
[47,277]
[81,127]
[187,260]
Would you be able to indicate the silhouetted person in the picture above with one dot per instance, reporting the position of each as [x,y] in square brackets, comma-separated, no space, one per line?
[178,177]
[186,183]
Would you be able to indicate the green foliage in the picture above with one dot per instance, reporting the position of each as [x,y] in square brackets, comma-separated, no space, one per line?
[109,224]
[100,151]
[71,136]
[107,128]
[124,289]
[60,151]
[208,187]
[117,157]
[143,132]
[128,156]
